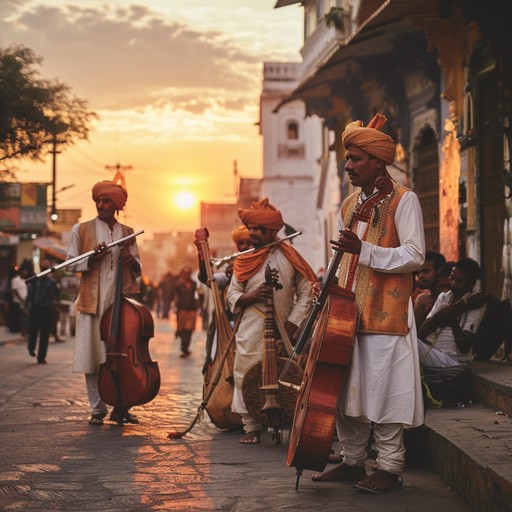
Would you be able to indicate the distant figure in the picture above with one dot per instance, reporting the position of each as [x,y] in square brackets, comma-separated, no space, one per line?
[167,289]
[186,309]
[17,297]
[41,298]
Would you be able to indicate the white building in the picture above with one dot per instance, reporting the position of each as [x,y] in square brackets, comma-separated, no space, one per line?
[299,169]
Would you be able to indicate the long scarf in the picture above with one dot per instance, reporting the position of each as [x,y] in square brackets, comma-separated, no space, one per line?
[247,265]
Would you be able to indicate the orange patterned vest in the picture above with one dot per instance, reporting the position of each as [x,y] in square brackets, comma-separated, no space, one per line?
[382,299]
[89,283]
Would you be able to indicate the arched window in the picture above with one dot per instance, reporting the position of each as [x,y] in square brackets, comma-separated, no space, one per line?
[293,130]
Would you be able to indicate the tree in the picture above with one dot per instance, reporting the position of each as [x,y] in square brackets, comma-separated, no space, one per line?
[35,113]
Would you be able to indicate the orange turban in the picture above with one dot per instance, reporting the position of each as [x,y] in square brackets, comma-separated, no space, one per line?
[239,233]
[114,192]
[370,139]
[262,213]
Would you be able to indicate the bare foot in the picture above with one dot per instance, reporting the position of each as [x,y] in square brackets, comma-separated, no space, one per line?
[341,473]
[251,438]
[380,482]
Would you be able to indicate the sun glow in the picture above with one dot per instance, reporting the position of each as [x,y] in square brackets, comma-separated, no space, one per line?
[184,200]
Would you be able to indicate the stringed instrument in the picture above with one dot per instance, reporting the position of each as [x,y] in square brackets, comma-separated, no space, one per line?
[269,403]
[218,378]
[334,316]
[128,377]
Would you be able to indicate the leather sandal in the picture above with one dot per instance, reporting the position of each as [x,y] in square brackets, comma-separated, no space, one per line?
[96,419]
[121,416]
[380,482]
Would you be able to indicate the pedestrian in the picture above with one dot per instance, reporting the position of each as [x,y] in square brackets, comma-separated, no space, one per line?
[383,388]
[17,296]
[248,292]
[186,309]
[43,293]
[98,286]
[167,289]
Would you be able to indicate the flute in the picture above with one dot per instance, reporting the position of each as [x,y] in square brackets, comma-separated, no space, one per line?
[218,262]
[82,256]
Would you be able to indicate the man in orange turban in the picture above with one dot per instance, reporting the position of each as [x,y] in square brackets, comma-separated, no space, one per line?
[249,291]
[97,288]
[113,191]
[379,256]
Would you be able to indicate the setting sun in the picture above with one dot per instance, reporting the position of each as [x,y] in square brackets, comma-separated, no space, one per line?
[184,200]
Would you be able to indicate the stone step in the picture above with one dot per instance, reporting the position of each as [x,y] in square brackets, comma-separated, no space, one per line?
[471,447]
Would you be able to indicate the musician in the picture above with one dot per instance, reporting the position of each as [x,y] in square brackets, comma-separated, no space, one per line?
[383,388]
[97,288]
[447,333]
[248,292]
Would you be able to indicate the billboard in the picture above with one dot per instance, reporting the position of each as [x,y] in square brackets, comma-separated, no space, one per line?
[23,206]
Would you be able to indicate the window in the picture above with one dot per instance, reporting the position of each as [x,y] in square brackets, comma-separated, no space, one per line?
[293,131]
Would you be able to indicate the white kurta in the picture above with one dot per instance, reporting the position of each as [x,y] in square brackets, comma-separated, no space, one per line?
[291,303]
[443,350]
[89,349]
[384,384]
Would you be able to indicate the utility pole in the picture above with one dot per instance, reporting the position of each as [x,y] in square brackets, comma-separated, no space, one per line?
[119,173]
[120,176]
[53,213]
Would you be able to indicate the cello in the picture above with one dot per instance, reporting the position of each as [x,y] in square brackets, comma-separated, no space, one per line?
[128,377]
[334,316]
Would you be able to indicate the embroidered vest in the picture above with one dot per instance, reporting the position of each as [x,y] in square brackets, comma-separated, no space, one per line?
[89,283]
[382,299]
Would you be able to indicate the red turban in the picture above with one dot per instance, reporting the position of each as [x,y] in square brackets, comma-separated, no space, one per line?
[239,233]
[262,213]
[370,139]
[114,192]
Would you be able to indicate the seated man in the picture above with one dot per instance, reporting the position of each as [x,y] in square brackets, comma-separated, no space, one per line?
[445,337]
[428,287]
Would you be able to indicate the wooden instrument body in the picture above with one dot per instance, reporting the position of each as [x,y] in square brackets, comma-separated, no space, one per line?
[128,377]
[326,370]
[256,398]
[218,389]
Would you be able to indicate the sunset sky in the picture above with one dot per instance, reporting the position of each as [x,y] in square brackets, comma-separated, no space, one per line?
[176,84]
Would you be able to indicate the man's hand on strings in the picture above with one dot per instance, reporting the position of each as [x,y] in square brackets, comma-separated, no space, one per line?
[260,294]
[347,242]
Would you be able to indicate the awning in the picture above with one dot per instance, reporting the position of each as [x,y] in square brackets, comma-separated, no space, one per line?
[53,246]
[283,3]
[372,38]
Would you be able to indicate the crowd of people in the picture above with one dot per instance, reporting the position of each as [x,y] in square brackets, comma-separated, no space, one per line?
[413,309]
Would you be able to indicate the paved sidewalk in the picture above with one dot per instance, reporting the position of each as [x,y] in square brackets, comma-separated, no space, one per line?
[53,460]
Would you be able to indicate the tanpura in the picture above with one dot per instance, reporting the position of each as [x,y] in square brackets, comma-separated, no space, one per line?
[267,401]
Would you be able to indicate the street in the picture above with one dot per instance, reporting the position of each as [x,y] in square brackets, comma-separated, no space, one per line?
[53,460]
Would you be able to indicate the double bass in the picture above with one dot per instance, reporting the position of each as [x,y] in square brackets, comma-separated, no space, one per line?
[128,377]
[334,317]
